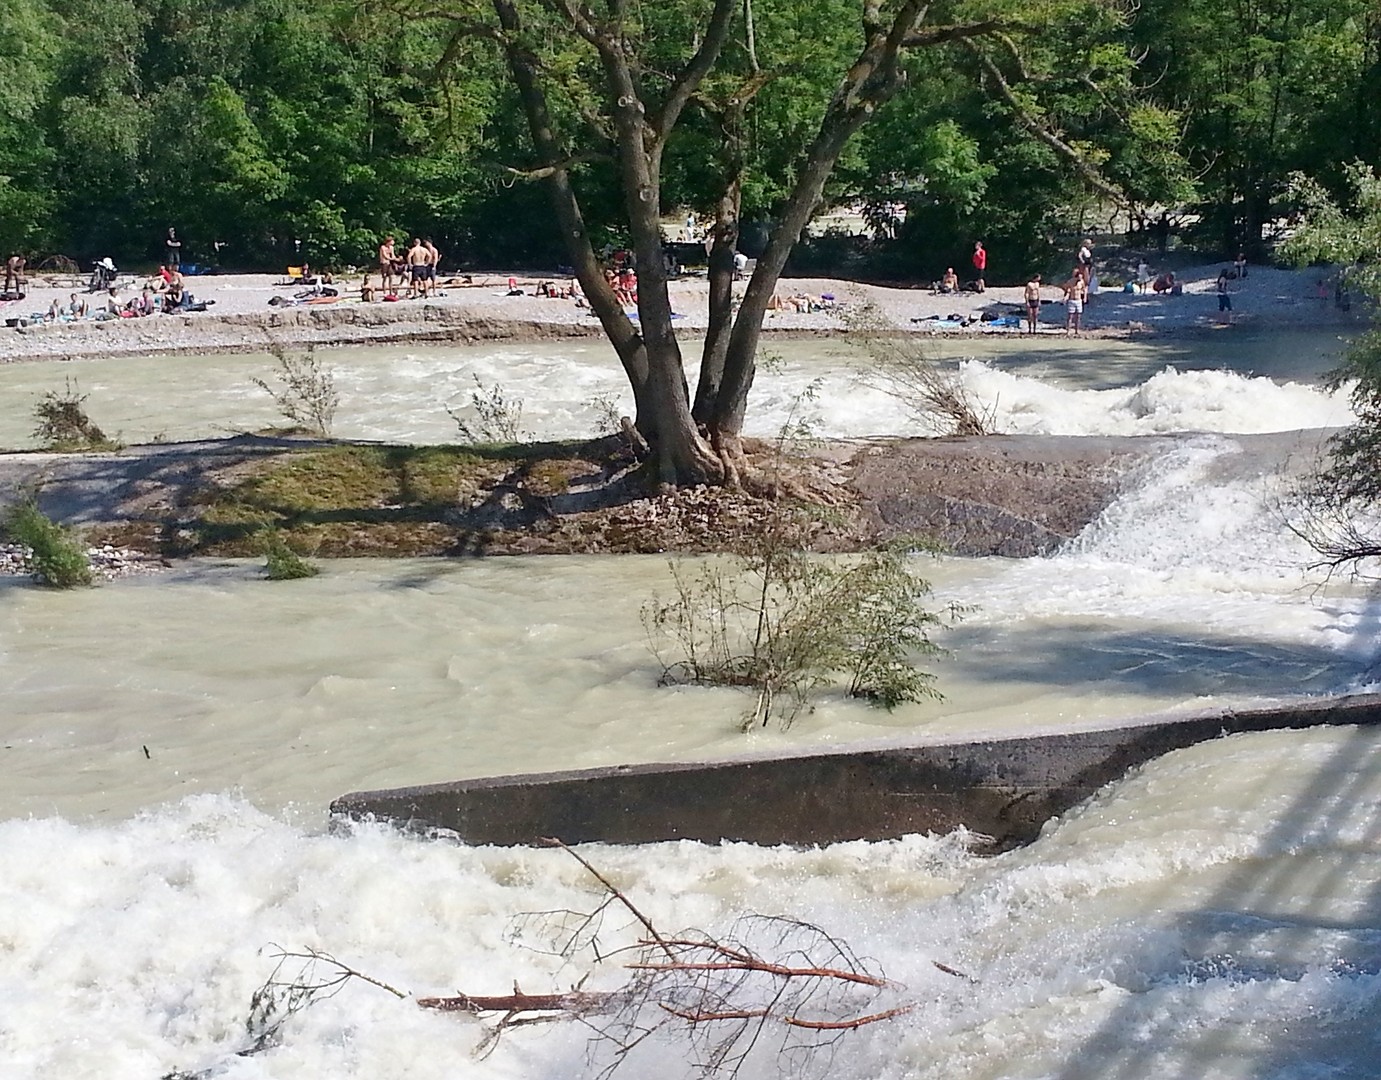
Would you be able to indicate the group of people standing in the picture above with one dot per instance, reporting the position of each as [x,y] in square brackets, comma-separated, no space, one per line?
[1080,286]
[416,268]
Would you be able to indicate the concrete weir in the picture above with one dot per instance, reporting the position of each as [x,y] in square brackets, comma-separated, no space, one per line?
[1004,789]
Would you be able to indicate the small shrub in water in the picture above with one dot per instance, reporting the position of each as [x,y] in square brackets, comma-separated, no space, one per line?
[57,557]
[63,423]
[495,419]
[306,392]
[282,563]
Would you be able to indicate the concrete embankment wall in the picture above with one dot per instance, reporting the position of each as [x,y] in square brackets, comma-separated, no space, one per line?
[1004,789]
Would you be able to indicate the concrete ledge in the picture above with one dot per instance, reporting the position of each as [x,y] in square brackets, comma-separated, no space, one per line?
[1004,789]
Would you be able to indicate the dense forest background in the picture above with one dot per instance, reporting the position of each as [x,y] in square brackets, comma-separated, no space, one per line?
[255,126]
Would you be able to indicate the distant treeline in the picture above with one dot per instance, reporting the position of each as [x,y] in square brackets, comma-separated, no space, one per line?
[267,131]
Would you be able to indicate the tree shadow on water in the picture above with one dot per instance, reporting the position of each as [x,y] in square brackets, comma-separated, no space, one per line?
[1294,925]
[1158,663]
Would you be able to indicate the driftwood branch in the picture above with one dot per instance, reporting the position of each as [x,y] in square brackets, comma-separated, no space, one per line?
[717,994]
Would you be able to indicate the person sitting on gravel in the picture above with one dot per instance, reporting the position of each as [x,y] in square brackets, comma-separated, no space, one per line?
[626,292]
[367,292]
[950,282]
[172,296]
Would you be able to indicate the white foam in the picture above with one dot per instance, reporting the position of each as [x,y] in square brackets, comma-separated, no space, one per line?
[1227,889]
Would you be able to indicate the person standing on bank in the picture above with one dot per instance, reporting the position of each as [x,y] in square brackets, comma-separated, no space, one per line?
[1033,303]
[1240,265]
[1076,292]
[174,250]
[1085,257]
[980,265]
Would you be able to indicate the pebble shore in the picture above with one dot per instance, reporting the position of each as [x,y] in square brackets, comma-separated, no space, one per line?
[107,562]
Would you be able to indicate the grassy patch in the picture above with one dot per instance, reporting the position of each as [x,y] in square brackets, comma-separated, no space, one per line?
[370,500]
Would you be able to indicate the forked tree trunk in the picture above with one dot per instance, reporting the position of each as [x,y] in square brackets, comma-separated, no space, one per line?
[874,77]
[650,353]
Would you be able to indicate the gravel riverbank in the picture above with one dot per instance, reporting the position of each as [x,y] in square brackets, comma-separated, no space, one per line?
[251,312]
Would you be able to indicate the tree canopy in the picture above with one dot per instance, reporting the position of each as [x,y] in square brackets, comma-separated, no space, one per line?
[251,124]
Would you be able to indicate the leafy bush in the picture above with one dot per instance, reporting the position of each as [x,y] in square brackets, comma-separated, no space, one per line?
[57,557]
[306,393]
[784,624]
[63,424]
[282,563]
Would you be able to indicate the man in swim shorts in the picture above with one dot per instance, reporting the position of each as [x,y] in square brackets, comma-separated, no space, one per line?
[387,257]
[418,260]
[1033,302]
[1076,292]
[434,261]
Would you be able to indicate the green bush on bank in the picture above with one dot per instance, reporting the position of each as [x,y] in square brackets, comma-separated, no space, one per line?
[57,557]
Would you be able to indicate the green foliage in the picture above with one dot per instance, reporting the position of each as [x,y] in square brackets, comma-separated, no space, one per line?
[257,124]
[282,563]
[63,424]
[784,625]
[56,556]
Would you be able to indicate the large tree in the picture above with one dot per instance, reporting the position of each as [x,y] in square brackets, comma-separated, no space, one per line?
[607,87]
[1344,494]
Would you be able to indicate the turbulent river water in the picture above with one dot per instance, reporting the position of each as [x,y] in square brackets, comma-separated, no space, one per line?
[169,746]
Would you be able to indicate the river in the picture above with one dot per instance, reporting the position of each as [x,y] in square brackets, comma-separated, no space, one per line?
[169,745]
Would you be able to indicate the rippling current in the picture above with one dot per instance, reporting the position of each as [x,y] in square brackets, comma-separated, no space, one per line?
[169,745]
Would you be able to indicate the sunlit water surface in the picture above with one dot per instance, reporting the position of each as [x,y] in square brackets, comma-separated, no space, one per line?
[169,744]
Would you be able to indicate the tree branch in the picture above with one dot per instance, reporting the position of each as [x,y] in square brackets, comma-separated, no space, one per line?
[693,74]
[938,35]
[546,171]
[1090,174]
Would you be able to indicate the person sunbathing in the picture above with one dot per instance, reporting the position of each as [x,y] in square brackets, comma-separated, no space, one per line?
[950,282]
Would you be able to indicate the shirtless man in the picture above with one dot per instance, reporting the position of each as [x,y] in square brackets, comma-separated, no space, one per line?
[1033,302]
[432,266]
[14,272]
[387,257]
[418,260]
[1076,292]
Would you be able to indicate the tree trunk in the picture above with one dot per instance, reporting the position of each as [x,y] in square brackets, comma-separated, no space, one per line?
[617,326]
[874,77]
[721,303]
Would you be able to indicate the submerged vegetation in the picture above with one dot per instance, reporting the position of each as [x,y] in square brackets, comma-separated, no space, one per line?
[304,392]
[64,426]
[784,626]
[282,563]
